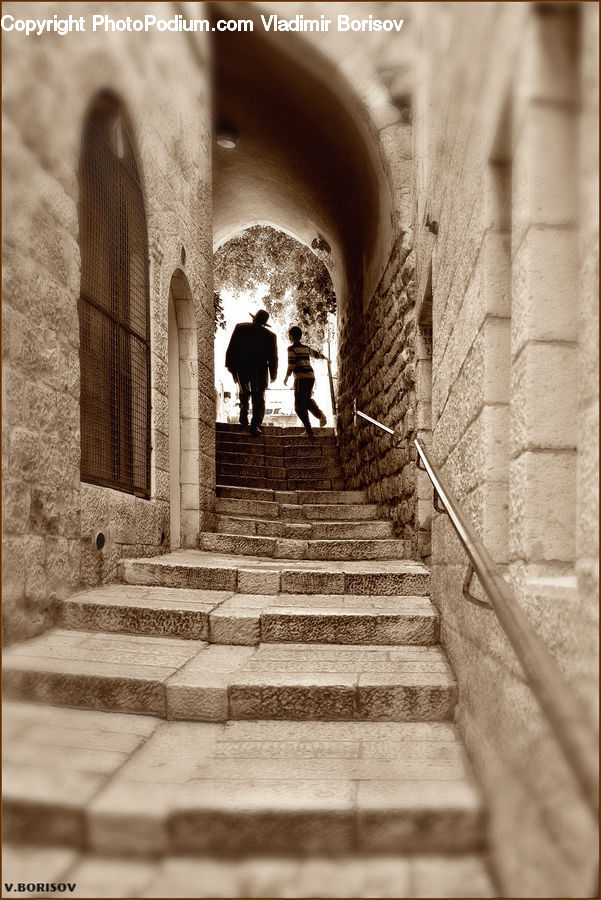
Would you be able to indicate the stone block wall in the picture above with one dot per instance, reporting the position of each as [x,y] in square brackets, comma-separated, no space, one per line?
[378,366]
[512,274]
[587,424]
[49,515]
[378,372]
[377,332]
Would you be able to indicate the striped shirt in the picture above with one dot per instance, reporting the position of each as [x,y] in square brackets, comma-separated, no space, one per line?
[298,360]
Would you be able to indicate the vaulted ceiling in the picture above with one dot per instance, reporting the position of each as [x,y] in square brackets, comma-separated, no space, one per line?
[304,161]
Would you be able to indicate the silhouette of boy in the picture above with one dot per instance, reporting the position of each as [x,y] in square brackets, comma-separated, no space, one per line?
[304,379]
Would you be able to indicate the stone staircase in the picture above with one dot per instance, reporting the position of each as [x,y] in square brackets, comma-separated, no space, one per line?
[292,505]
[293,732]
[283,459]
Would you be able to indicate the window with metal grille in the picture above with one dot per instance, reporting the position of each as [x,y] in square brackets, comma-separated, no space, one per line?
[113,308]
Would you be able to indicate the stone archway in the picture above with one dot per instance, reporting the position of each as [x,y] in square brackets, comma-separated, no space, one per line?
[299,147]
[183,414]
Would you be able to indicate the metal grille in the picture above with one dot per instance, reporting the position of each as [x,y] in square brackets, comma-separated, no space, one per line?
[113,309]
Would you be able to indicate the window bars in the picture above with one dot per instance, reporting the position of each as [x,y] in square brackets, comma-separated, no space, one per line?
[113,309]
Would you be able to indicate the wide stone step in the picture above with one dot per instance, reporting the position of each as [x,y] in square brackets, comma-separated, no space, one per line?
[276,473]
[297,439]
[334,619]
[293,548]
[262,575]
[305,530]
[229,428]
[296,512]
[308,461]
[181,679]
[401,876]
[223,617]
[311,450]
[133,786]
[322,498]
[284,484]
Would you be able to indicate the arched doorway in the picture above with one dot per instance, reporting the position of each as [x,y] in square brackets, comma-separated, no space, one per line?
[265,267]
[183,414]
[298,148]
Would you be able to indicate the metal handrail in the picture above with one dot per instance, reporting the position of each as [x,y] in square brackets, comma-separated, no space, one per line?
[555,696]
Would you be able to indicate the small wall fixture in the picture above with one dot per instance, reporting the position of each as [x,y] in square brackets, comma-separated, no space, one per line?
[101,540]
[183,256]
[431,226]
[226,137]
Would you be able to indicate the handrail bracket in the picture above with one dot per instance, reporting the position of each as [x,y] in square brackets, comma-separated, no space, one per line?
[465,590]
[438,505]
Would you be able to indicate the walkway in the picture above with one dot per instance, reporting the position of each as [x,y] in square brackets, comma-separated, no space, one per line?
[294,732]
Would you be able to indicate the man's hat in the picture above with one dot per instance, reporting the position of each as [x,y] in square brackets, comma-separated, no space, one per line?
[260,317]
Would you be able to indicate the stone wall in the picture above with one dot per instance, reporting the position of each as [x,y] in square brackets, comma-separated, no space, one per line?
[49,515]
[378,371]
[497,141]
[587,464]
[380,356]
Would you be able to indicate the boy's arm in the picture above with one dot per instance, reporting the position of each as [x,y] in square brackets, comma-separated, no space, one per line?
[291,363]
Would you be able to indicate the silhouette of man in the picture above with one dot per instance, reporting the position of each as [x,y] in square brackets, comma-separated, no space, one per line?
[251,356]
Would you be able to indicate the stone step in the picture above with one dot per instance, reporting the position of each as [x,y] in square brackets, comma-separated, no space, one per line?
[262,575]
[300,441]
[309,450]
[181,679]
[140,788]
[229,428]
[223,617]
[168,876]
[293,548]
[246,619]
[277,473]
[297,512]
[308,461]
[137,609]
[330,530]
[323,498]
[284,484]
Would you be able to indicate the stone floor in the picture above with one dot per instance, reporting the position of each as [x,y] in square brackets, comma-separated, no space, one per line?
[227,725]
[106,876]
[144,786]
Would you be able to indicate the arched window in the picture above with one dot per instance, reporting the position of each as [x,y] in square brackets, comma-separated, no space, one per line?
[113,307]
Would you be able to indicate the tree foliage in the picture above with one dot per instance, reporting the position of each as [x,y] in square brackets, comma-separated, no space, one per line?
[219,313]
[296,286]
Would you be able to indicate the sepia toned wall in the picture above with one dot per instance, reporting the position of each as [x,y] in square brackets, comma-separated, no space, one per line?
[483,124]
[378,341]
[49,515]
[377,371]
[363,209]
[504,110]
